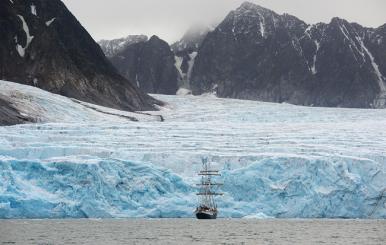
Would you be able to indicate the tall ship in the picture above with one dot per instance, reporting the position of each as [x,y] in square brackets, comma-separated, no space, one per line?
[207,207]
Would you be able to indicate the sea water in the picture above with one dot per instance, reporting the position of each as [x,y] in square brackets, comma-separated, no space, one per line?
[192,231]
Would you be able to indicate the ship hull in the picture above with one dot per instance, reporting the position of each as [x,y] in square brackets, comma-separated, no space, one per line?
[204,215]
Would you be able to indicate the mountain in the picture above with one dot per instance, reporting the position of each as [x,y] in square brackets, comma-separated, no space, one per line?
[150,64]
[112,47]
[42,44]
[258,54]
[186,51]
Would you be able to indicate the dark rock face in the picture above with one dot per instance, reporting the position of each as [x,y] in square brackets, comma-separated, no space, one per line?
[9,115]
[151,64]
[260,55]
[42,44]
[115,46]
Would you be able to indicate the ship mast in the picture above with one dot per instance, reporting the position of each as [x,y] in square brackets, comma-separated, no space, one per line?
[206,192]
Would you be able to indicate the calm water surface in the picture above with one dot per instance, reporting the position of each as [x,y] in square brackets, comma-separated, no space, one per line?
[191,231]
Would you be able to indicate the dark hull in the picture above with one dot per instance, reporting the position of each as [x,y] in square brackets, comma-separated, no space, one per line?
[201,215]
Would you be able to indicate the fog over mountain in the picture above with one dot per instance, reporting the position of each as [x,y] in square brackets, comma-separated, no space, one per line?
[169,19]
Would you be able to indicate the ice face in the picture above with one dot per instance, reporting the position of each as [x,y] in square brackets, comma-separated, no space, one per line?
[300,187]
[104,188]
[277,160]
[274,187]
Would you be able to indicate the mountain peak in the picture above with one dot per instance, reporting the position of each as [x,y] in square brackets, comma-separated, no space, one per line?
[248,9]
[115,46]
[156,40]
[154,37]
[337,20]
[249,5]
[252,6]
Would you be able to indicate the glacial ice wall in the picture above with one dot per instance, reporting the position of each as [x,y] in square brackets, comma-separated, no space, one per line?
[274,187]
[277,160]
[105,188]
[310,188]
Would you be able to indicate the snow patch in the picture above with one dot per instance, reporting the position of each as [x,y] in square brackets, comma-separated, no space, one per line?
[234,27]
[20,49]
[48,23]
[379,40]
[375,66]
[345,32]
[178,64]
[308,30]
[183,92]
[33,10]
[137,81]
[313,68]
[262,25]
[191,62]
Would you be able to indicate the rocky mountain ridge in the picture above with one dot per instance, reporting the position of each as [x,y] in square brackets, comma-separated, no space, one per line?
[113,47]
[258,54]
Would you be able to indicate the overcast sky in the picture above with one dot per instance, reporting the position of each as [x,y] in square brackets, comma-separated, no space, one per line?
[169,19]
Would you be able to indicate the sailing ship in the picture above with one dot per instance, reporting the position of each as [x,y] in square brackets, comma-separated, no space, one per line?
[207,207]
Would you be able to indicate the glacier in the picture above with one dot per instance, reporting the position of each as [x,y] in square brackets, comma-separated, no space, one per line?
[276,160]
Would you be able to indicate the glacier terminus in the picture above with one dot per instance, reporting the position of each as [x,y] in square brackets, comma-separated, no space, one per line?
[276,160]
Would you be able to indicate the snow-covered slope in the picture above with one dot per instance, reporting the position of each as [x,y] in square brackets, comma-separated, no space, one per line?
[277,160]
[46,107]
